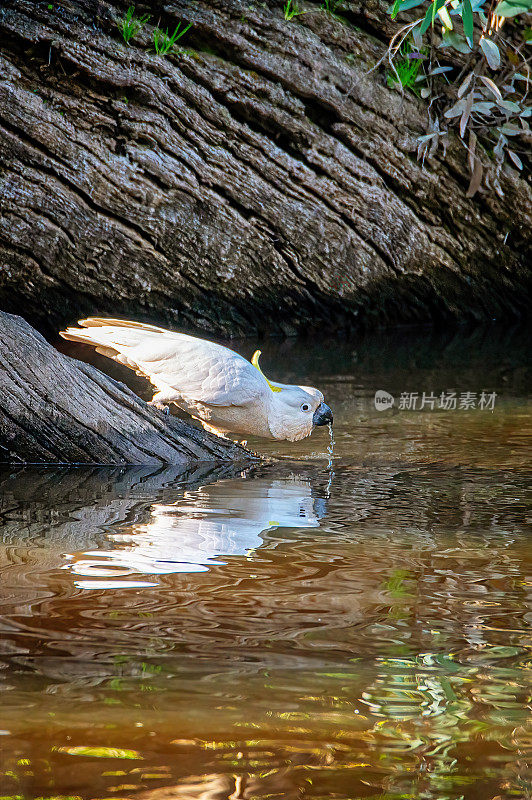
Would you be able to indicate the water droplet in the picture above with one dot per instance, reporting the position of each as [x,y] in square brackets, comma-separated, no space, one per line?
[330,450]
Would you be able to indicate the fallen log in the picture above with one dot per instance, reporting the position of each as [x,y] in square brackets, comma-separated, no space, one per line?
[54,409]
[263,178]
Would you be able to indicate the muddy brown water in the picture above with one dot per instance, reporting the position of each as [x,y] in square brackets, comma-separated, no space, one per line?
[314,627]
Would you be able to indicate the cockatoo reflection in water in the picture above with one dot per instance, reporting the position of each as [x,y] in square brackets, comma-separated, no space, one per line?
[215,385]
[227,518]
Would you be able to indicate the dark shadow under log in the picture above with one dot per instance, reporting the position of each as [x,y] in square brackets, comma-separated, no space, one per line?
[54,409]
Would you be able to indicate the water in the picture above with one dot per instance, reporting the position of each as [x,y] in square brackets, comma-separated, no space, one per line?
[331,624]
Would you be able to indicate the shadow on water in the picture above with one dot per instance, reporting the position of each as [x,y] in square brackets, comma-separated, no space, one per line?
[303,628]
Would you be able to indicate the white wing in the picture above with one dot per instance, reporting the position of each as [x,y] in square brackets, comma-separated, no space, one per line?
[198,370]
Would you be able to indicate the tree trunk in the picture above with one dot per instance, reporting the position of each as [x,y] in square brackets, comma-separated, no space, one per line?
[54,409]
[261,180]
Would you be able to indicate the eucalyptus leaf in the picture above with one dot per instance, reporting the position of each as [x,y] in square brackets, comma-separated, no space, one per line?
[466,113]
[492,87]
[476,179]
[509,8]
[445,18]
[456,110]
[456,40]
[458,8]
[471,150]
[491,51]
[498,150]
[509,129]
[405,5]
[441,70]
[427,20]
[515,158]
[467,19]
[509,105]
[429,16]
[417,37]
[482,107]
[465,83]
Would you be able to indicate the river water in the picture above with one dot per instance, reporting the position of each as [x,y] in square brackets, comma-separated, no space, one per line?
[312,627]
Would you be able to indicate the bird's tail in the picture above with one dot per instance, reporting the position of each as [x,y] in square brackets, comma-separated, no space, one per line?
[111,337]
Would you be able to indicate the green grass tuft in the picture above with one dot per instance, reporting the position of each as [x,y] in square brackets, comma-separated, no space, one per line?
[407,69]
[164,43]
[292,9]
[330,6]
[130,25]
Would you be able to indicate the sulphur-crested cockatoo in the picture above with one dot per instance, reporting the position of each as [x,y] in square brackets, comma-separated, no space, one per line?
[228,394]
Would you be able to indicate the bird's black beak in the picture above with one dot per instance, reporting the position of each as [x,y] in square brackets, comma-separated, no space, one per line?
[323,415]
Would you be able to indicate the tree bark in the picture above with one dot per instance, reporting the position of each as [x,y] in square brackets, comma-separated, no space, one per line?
[54,409]
[261,180]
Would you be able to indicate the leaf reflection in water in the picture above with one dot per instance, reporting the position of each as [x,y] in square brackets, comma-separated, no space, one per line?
[221,519]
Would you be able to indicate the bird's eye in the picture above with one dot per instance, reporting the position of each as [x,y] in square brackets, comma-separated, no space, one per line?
[305,407]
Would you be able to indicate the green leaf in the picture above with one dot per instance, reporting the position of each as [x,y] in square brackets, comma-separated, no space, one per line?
[467,19]
[407,4]
[429,16]
[426,21]
[509,8]
[395,9]
[453,39]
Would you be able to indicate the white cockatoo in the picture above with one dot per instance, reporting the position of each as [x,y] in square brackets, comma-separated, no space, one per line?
[215,385]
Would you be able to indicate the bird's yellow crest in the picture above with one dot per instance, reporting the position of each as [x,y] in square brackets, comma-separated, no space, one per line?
[255,361]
